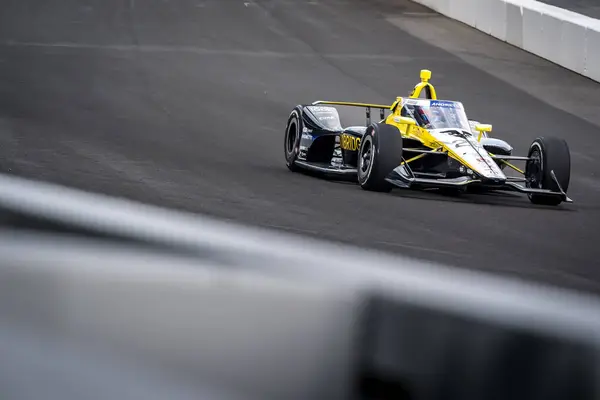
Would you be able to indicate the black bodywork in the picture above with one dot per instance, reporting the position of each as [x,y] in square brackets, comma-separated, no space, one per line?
[324,144]
[328,147]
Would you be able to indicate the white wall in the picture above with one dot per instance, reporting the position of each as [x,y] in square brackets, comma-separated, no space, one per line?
[566,38]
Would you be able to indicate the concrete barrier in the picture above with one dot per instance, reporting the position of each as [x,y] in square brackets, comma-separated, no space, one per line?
[564,37]
[107,298]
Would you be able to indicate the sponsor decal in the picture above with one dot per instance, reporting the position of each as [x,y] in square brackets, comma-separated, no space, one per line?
[319,109]
[348,142]
[443,104]
[307,136]
[324,113]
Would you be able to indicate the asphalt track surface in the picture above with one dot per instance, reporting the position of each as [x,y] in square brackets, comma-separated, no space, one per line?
[184,103]
[591,8]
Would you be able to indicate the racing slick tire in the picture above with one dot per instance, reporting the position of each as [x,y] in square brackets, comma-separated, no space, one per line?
[380,152]
[293,132]
[548,154]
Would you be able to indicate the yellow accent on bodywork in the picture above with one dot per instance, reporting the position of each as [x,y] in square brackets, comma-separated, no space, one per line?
[430,141]
[416,132]
[519,170]
[420,156]
[413,159]
[427,139]
[395,120]
[349,142]
[394,106]
[425,76]
[482,128]
[419,87]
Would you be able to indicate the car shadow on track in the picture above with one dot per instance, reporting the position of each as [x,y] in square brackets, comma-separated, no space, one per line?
[496,199]
[491,198]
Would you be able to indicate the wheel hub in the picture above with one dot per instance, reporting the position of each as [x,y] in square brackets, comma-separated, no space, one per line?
[366,159]
[534,170]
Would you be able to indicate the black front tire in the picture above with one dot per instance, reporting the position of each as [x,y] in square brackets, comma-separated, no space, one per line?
[548,154]
[380,152]
[293,132]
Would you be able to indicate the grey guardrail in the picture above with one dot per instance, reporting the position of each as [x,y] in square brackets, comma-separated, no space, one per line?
[98,289]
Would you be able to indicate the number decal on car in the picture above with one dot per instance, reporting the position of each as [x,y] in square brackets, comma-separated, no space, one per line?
[348,142]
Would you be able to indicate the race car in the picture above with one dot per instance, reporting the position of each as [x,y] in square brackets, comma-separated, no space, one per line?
[423,143]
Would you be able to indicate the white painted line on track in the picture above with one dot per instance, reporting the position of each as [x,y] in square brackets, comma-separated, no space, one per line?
[207,51]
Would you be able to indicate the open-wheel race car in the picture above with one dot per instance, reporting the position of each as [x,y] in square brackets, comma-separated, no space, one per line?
[423,143]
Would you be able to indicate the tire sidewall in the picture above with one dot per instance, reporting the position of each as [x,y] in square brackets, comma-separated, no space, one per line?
[292,155]
[554,155]
[386,154]
[367,139]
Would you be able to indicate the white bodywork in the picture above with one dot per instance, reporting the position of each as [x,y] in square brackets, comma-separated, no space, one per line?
[447,122]
[472,152]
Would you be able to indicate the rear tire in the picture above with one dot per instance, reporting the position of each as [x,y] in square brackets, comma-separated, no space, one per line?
[380,152]
[293,132]
[548,154]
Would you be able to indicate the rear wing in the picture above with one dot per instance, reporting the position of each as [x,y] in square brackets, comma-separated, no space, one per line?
[368,107]
[430,93]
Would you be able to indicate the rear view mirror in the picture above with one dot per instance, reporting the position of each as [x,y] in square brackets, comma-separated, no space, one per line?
[407,120]
[482,128]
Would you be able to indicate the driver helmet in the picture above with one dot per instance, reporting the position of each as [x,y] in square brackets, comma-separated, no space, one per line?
[421,114]
[437,115]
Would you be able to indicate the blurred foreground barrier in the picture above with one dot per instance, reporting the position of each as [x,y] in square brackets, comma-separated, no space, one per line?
[102,298]
[564,37]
